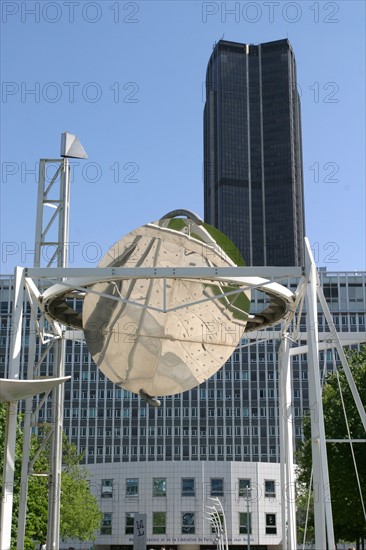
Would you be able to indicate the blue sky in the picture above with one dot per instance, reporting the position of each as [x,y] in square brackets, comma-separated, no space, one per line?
[128,79]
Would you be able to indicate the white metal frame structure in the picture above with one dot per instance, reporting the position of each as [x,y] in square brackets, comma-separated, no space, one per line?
[47,285]
[309,290]
[52,233]
[214,517]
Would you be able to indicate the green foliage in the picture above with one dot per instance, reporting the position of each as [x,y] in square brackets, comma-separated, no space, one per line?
[348,518]
[80,515]
[37,508]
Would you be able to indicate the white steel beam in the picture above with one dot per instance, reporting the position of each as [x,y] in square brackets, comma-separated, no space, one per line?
[6,504]
[97,273]
[289,541]
[322,509]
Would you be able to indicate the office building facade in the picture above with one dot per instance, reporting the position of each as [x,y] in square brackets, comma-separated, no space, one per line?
[253,179]
[211,442]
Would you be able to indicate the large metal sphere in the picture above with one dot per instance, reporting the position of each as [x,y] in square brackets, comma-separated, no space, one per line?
[165,336]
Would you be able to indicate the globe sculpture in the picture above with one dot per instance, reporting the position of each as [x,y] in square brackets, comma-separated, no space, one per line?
[165,336]
[158,335]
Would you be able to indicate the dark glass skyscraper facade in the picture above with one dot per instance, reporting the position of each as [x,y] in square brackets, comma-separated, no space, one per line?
[252,151]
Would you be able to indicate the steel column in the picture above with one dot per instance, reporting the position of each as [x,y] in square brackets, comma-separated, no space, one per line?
[54,505]
[289,541]
[322,510]
[6,505]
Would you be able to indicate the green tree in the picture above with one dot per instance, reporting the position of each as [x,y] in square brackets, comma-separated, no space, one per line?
[80,515]
[348,516]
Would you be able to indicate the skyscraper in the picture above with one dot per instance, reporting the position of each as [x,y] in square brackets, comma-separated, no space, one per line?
[253,180]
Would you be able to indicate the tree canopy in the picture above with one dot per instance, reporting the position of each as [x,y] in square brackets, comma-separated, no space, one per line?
[80,515]
[348,514]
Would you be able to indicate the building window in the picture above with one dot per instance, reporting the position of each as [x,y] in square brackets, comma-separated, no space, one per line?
[245,521]
[188,523]
[107,488]
[132,487]
[271,528]
[188,487]
[217,487]
[244,488]
[159,523]
[269,488]
[106,527]
[272,430]
[129,523]
[159,487]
